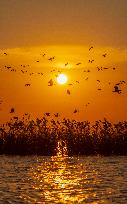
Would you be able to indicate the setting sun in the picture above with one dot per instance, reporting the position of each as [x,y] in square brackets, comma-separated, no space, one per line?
[62,79]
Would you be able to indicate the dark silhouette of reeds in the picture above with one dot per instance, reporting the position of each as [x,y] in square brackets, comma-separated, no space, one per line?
[26,137]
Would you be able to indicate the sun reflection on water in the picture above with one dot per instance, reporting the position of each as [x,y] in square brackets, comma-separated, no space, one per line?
[59,184]
[61,180]
[61,149]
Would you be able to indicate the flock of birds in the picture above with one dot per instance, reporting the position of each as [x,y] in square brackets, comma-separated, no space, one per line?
[116,88]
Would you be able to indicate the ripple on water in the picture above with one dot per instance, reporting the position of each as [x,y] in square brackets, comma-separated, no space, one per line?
[33,179]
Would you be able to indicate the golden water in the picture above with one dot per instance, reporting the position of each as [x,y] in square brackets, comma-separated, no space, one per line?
[63,179]
[61,149]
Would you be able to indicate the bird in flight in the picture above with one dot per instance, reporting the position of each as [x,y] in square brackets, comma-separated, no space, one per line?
[90,48]
[75,111]
[77,82]
[91,61]
[116,89]
[9,67]
[51,58]
[66,64]
[88,70]
[12,110]
[68,92]
[27,84]
[50,82]
[78,63]
[98,80]
[22,71]
[87,104]
[104,55]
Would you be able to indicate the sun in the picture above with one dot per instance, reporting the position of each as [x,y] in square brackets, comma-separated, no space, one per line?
[62,79]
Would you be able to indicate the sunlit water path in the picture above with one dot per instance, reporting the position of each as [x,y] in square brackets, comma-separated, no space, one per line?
[37,179]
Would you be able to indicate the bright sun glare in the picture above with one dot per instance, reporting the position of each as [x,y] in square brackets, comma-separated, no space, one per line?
[62,79]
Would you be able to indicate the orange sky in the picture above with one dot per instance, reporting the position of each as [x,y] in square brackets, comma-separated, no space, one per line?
[66,30]
[40,98]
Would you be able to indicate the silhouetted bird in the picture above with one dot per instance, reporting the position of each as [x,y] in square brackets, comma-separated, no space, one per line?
[50,59]
[53,70]
[78,63]
[75,111]
[9,67]
[5,53]
[68,91]
[66,64]
[31,73]
[91,61]
[27,84]
[116,89]
[87,104]
[104,55]
[13,70]
[99,68]
[98,80]
[50,82]
[12,110]
[90,48]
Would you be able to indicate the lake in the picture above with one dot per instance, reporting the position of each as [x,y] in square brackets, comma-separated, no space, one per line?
[38,179]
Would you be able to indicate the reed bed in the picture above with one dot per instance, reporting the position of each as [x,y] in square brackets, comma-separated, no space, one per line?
[40,137]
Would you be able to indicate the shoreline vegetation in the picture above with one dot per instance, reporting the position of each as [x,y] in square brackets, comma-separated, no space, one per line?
[41,137]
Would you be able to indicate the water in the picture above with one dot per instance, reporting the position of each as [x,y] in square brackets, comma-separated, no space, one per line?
[34,179]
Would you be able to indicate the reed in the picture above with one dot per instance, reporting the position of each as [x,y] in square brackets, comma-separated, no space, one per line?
[29,137]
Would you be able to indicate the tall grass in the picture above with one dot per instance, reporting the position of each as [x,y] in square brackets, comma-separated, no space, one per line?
[26,136]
